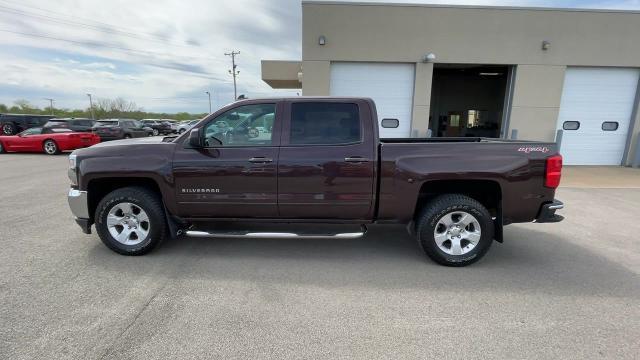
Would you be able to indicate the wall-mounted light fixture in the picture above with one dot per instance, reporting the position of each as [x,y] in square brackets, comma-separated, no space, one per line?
[322,40]
[546,45]
[429,58]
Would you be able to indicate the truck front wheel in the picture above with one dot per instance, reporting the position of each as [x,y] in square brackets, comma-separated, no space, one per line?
[455,230]
[131,221]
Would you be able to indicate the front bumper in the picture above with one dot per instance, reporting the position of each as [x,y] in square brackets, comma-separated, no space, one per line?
[79,205]
[548,214]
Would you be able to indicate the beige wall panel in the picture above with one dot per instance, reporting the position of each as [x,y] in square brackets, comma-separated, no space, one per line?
[538,85]
[469,35]
[635,137]
[281,74]
[316,78]
[534,123]
[420,120]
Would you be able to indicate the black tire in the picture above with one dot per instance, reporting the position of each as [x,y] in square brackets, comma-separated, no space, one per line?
[127,136]
[8,129]
[181,131]
[50,147]
[142,198]
[155,132]
[453,205]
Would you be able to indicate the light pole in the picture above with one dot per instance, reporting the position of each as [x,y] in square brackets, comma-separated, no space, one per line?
[50,104]
[208,93]
[91,107]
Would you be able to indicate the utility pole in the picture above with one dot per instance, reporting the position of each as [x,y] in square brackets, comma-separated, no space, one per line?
[208,93]
[91,107]
[233,71]
[50,104]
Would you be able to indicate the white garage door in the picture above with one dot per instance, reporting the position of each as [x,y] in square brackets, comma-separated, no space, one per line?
[595,113]
[389,85]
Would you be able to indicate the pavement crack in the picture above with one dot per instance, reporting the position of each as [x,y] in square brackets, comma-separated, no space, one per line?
[111,347]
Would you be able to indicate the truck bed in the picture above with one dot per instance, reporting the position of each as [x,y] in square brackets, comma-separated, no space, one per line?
[409,167]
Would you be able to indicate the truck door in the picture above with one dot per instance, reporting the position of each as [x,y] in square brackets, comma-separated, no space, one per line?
[235,174]
[327,161]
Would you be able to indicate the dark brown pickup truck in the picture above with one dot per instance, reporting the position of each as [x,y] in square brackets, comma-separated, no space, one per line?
[311,160]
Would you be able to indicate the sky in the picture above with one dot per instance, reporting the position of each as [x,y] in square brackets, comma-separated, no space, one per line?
[161,54]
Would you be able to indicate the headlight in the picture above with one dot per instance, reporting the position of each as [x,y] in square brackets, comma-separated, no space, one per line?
[73,174]
[72,161]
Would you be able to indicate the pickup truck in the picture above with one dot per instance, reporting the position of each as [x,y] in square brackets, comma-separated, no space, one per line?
[318,161]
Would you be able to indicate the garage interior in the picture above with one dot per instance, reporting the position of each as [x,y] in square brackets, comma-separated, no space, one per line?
[468,100]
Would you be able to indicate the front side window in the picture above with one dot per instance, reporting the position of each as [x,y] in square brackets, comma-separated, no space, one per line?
[247,125]
[324,123]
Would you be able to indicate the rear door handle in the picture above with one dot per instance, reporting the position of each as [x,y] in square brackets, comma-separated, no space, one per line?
[355,159]
[260,160]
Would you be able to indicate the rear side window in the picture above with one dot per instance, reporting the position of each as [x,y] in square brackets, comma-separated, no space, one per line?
[56,123]
[324,123]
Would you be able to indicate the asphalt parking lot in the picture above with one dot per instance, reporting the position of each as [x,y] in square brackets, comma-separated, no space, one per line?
[568,290]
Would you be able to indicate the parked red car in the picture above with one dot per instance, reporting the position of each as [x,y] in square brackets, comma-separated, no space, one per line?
[49,141]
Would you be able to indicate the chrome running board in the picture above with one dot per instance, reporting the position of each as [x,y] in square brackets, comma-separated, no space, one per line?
[273,235]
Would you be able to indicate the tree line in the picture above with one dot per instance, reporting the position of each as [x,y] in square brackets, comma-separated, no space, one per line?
[102,109]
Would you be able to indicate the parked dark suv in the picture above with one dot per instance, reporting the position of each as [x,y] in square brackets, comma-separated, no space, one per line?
[114,129]
[158,126]
[11,124]
[74,124]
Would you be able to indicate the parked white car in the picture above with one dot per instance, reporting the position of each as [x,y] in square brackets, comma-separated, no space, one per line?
[185,126]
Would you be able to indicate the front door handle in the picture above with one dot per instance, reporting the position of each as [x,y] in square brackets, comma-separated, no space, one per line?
[355,159]
[260,160]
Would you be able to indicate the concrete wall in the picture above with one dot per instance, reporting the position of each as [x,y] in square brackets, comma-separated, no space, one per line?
[482,35]
[536,101]
[421,100]
[316,77]
[633,157]
[281,74]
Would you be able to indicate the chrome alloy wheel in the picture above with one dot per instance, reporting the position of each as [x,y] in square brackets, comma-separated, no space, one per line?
[50,147]
[457,233]
[128,223]
[7,129]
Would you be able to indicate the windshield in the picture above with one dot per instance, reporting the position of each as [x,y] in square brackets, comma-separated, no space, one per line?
[56,123]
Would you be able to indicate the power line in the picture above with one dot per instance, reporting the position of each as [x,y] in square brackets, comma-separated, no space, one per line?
[126,50]
[103,29]
[49,11]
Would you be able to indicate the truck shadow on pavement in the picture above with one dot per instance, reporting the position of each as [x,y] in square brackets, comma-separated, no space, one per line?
[528,261]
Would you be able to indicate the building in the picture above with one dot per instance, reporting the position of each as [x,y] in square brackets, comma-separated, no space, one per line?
[479,71]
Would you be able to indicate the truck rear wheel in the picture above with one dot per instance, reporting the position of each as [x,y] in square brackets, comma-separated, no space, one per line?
[455,230]
[131,221]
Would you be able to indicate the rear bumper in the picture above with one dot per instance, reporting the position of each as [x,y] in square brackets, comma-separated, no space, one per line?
[79,205]
[548,214]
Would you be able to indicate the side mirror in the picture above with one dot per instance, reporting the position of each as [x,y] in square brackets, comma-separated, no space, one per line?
[195,140]
[390,123]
